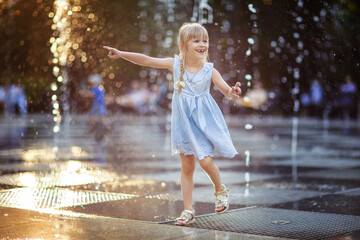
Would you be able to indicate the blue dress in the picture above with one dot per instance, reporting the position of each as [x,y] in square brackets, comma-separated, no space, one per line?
[197,124]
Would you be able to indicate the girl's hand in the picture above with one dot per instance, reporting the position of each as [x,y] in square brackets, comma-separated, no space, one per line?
[113,52]
[235,90]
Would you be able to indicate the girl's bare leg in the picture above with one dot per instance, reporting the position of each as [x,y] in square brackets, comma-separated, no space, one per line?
[213,173]
[187,182]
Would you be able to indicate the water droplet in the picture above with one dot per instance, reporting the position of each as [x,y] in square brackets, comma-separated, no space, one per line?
[248,52]
[53,86]
[56,129]
[273,44]
[281,39]
[251,41]
[296,35]
[299,59]
[251,8]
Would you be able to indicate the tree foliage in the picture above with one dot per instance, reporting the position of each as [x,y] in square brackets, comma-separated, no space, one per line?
[328,31]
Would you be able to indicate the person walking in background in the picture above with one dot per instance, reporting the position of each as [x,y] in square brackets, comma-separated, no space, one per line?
[15,100]
[305,103]
[2,99]
[98,109]
[316,98]
[197,124]
[348,92]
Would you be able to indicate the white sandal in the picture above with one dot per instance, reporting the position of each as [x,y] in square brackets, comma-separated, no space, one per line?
[222,200]
[187,216]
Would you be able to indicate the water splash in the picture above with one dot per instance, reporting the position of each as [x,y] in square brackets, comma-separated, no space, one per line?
[247,158]
[202,12]
[247,174]
[60,48]
[252,41]
[294,141]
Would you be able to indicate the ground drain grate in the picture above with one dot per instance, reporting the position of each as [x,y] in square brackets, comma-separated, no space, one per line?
[44,198]
[280,223]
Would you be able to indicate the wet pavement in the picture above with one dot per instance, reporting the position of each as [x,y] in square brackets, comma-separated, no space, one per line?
[294,179]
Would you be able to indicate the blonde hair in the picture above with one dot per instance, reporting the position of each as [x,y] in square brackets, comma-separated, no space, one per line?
[187,32]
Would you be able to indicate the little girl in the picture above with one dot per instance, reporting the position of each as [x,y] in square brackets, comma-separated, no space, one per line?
[197,124]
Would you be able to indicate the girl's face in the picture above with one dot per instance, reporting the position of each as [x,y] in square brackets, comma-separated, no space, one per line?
[197,48]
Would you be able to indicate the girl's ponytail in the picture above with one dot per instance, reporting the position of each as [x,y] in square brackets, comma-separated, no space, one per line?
[181,75]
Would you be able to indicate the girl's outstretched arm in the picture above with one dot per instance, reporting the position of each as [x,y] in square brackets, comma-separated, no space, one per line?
[229,92]
[140,59]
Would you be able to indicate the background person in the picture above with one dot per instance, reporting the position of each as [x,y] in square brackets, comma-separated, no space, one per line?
[15,100]
[348,92]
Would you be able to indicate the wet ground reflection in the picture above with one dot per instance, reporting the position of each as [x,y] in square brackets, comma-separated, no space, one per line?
[125,169]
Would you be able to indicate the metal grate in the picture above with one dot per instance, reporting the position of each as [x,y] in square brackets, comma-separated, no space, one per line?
[43,198]
[280,223]
[163,196]
[52,179]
